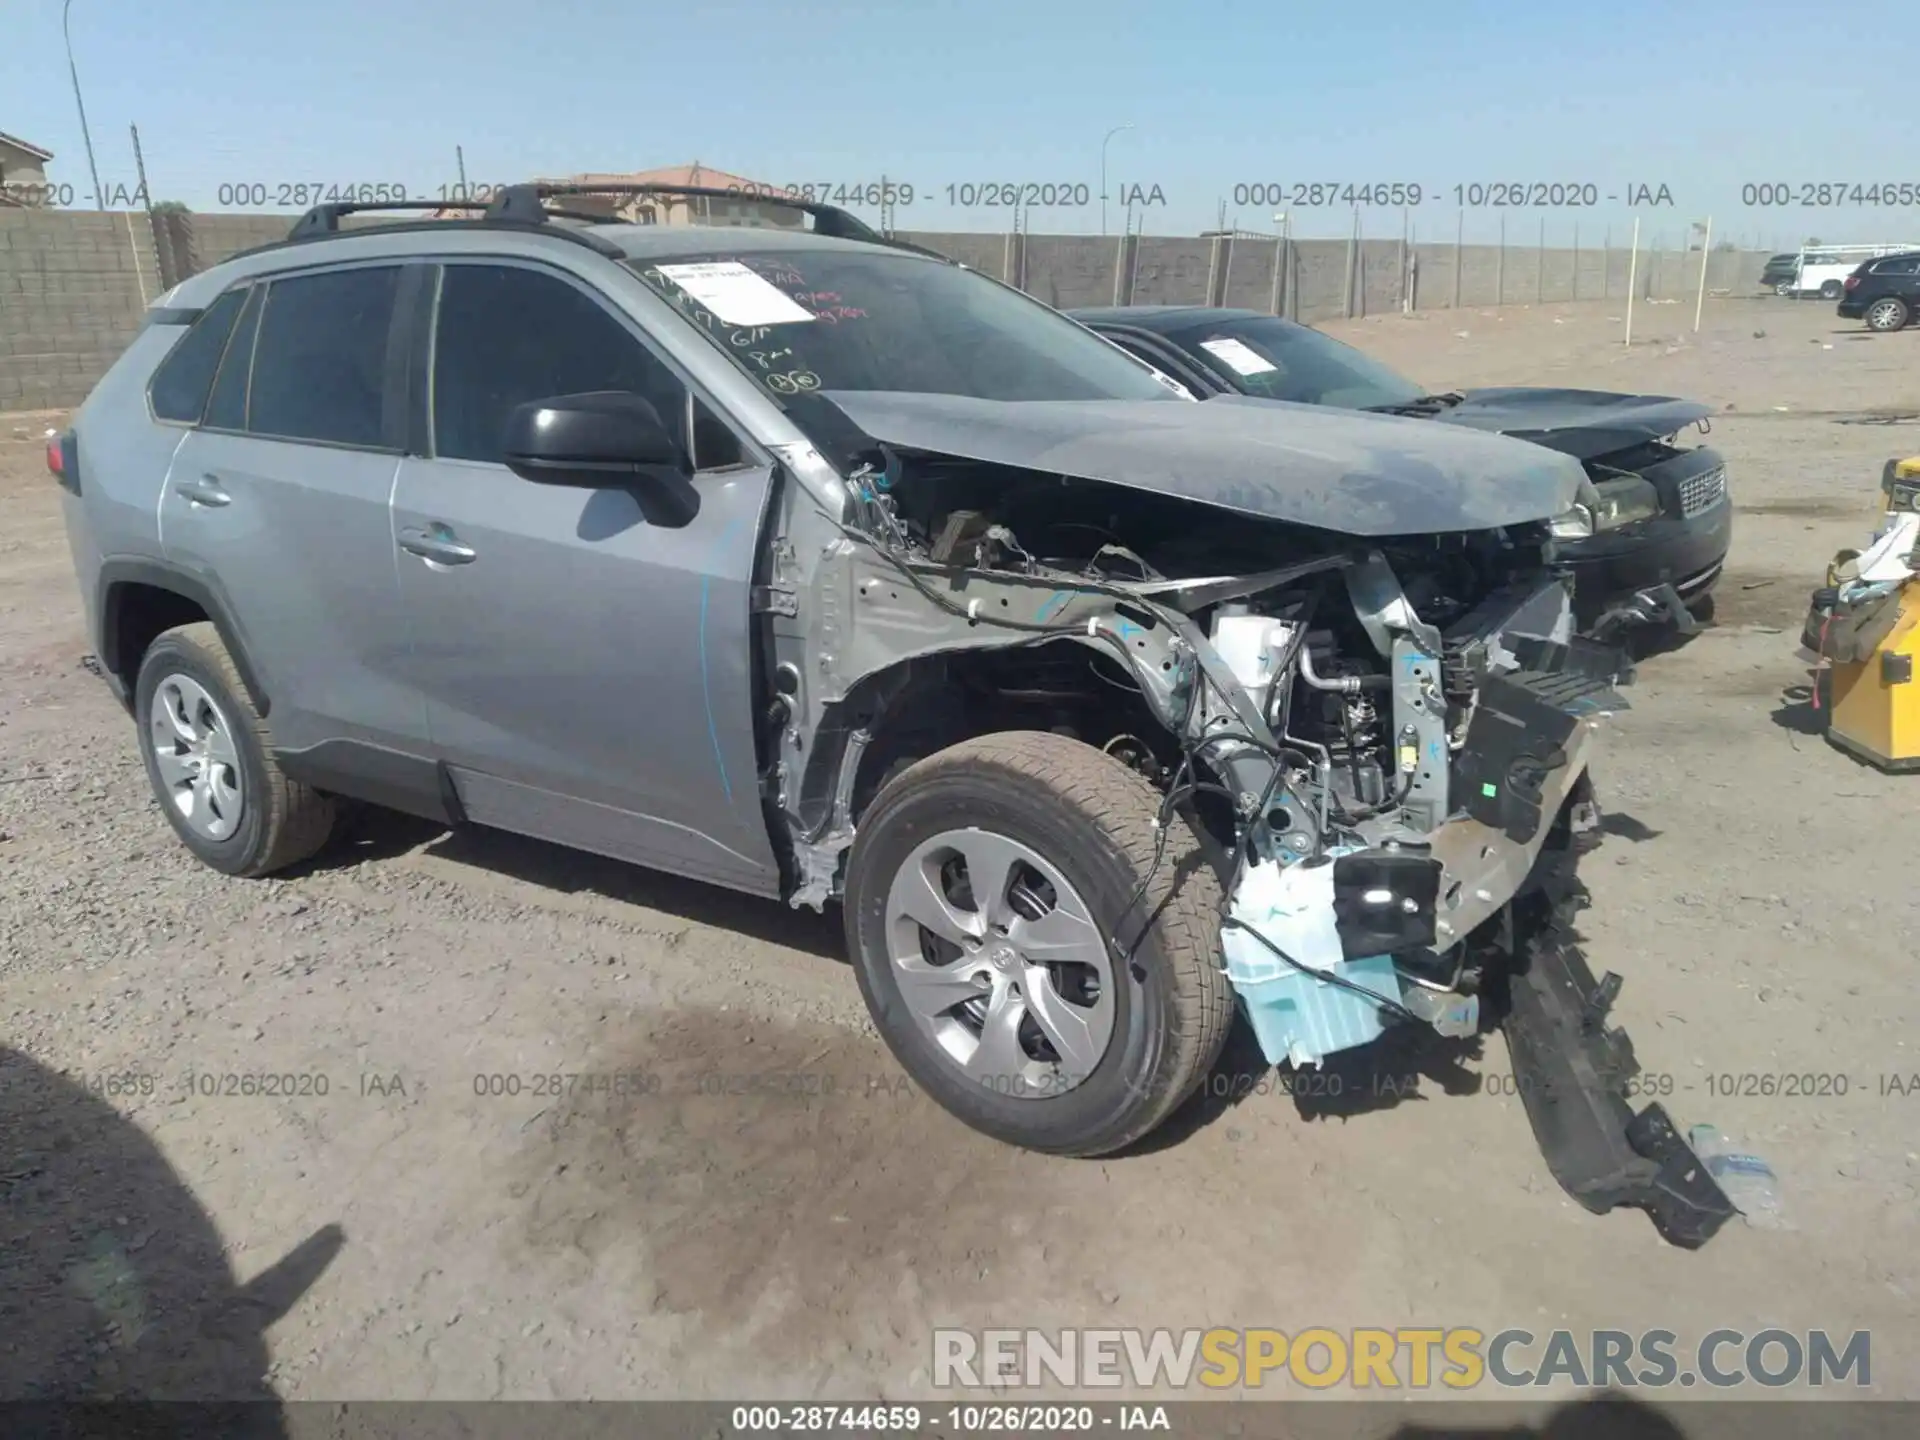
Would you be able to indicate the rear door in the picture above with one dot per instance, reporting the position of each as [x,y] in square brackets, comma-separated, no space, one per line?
[279,503]
[586,671]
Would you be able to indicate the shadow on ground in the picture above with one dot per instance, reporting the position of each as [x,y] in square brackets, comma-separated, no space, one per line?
[1803,709]
[372,834]
[1606,1416]
[114,1281]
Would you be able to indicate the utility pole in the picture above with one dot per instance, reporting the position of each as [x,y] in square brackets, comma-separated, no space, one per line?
[99,198]
[140,169]
[1103,171]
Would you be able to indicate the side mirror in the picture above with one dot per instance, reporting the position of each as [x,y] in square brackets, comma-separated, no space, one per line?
[593,440]
[601,440]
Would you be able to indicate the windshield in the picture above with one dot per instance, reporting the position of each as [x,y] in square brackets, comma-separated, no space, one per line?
[1279,360]
[806,320]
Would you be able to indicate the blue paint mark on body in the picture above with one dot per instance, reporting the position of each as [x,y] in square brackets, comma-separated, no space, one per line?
[706,686]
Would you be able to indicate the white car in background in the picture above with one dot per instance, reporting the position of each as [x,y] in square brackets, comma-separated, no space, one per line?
[1823,269]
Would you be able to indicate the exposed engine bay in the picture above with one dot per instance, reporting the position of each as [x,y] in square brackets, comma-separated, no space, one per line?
[1380,733]
[1364,665]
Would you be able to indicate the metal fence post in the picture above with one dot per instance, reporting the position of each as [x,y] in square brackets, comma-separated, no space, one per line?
[1353,259]
[1576,260]
[1406,256]
[1540,267]
[1459,255]
[1500,266]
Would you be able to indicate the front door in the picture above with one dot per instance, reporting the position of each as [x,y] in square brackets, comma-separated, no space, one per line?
[587,673]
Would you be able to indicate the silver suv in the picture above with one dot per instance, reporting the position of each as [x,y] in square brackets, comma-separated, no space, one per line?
[807,563]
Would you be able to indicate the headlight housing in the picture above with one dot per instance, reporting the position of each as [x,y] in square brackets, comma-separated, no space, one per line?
[1576,523]
[1572,524]
[1624,501]
[1606,506]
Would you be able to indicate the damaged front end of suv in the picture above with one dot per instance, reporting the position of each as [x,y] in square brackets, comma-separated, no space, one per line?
[1106,714]
[1358,679]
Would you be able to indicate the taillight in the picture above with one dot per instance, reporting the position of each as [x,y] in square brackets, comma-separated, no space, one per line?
[1853,282]
[63,459]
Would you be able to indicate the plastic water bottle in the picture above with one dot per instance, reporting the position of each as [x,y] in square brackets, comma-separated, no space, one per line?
[1747,1180]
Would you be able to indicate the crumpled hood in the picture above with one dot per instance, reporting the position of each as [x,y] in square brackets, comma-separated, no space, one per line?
[1363,475]
[1585,424]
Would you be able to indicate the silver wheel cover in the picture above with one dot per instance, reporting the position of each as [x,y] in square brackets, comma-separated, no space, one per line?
[195,755]
[1001,963]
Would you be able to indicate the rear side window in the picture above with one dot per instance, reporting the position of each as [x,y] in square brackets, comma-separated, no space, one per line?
[227,410]
[320,363]
[1905,265]
[181,383]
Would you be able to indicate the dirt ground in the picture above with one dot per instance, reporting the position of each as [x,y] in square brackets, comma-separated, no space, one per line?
[769,1210]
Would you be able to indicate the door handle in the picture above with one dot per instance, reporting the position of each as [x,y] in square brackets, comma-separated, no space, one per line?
[436,543]
[204,491]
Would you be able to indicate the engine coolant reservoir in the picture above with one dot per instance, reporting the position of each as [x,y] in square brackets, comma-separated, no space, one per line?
[1298,1017]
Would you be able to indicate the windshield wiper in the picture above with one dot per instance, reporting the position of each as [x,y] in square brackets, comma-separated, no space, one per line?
[1425,405]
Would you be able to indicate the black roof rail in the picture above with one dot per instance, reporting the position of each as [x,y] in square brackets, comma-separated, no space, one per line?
[323,222]
[523,207]
[325,219]
[517,202]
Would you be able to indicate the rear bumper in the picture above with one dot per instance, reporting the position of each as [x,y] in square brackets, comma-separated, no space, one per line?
[1851,308]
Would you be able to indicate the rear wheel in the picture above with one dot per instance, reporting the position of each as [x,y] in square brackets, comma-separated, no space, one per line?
[210,760]
[1888,314]
[982,892]
[1830,290]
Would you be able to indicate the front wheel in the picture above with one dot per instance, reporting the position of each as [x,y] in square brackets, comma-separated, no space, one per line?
[1888,315]
[983,891]
[1830,290]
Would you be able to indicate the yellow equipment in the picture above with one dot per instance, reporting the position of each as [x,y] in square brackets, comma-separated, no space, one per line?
[1866,624]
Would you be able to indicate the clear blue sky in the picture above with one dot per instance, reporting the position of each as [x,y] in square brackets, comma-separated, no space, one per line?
[1701,97]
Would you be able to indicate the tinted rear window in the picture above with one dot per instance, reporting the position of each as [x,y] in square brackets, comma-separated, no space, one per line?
[319,365]
[181,383]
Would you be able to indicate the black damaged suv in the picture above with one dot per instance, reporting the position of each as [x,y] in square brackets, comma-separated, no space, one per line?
[1650,535]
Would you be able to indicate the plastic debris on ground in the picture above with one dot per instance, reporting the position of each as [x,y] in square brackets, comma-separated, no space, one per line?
[1746,1179]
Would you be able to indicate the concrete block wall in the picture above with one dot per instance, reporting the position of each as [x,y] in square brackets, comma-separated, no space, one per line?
[73,284]
[73,288]
[1329,279]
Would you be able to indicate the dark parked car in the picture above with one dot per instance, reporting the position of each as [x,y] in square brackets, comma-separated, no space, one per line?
[1646,542]
[1779,272]
[1884,292]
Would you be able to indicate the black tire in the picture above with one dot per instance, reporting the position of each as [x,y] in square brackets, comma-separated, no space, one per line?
[1830,289]
[282,821]
[1896,312]
[1092,817]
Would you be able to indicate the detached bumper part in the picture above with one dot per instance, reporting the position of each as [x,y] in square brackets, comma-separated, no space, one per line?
[1572,1071]
[1656,605]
